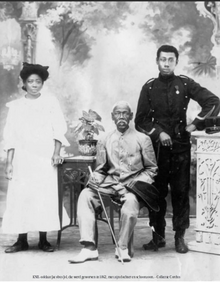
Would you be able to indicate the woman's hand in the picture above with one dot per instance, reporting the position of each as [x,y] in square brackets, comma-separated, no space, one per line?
[9,171]
[56,159]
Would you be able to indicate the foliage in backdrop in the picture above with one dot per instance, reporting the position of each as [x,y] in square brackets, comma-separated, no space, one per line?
[102,51]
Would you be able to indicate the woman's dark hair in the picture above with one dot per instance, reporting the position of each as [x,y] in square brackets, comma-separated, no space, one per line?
[167,48]
[29,69]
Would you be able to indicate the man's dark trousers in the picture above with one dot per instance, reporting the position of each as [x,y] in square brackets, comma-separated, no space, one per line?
[174,169]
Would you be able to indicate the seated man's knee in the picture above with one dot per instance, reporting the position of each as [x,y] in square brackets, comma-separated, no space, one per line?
[131,198]
[87,197]
[131,206]
[84,195]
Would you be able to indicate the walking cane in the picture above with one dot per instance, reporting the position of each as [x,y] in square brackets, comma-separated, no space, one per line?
[109,224]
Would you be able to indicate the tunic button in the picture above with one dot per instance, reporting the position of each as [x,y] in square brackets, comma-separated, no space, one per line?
[181,121]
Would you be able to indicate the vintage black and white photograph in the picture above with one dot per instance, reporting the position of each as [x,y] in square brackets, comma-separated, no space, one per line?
[110,141]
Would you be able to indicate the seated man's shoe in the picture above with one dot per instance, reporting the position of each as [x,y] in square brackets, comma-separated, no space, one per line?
[45,246]
[84,255]
[154,246]
[180,246]
[124,255]
[17,247]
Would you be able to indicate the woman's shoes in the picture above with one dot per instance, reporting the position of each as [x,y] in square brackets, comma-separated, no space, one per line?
[17,247]
[45,246]
[23,246]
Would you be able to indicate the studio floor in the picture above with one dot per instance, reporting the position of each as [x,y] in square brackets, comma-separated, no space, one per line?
[163,265]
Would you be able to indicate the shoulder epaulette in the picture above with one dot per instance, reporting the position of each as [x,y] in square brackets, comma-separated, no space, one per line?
[186,77]
[150,80]
[148,83]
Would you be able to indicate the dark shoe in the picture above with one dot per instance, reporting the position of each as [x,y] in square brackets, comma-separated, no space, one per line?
[17,247]
[152,246]
[180,246]
[45,246]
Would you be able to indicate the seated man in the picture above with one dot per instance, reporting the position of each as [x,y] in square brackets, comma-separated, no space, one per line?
[125,161]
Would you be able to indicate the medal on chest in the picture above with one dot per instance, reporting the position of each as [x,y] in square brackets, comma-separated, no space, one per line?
[177,89]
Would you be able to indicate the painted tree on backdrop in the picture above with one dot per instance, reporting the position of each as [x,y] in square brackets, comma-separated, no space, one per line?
[70,22]
[71,25]
[180,22]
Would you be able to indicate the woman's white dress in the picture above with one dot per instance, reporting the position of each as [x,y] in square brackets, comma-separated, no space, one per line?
[32,197]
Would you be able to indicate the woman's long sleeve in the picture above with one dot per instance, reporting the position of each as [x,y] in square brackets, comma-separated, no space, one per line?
[9,134]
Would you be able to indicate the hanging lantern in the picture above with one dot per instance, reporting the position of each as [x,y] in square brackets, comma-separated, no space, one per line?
[10,51]
[10,57]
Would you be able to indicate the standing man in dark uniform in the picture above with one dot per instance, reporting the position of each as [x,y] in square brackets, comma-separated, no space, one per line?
[161,114]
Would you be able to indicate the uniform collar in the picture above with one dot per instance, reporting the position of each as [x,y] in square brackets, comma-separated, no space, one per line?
[166,78]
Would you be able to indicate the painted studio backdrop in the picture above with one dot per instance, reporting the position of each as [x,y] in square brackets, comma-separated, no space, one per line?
[102,52]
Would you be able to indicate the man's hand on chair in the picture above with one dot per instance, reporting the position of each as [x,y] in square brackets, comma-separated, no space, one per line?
[121,192]
[120,189]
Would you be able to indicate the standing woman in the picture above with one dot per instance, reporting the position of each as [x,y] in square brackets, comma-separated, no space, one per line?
[33,134]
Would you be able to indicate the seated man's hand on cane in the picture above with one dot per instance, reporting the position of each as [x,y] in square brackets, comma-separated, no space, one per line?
[93,182]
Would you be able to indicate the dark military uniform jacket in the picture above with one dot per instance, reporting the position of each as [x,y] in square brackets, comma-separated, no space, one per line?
[162,107]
